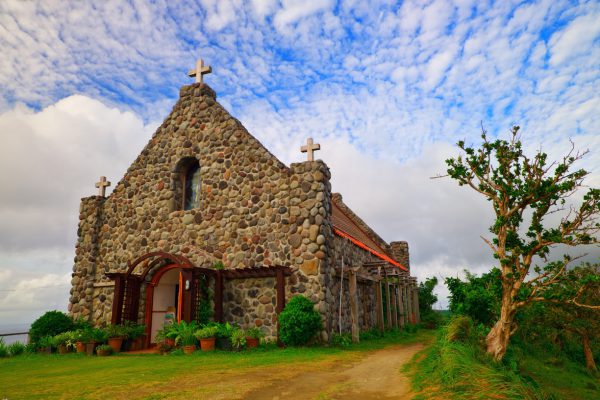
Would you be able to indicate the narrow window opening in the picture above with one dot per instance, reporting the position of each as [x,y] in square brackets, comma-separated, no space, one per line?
[191,187]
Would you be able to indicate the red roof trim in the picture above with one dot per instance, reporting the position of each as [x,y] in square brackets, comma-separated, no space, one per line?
[360,244]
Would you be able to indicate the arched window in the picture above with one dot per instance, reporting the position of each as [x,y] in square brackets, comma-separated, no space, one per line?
[191,187]
[186,184]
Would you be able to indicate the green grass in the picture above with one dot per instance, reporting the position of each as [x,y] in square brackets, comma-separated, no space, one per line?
[200,375]
[560,377]
[460,369]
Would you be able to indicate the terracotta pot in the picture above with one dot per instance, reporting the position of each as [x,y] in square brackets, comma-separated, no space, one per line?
[115,343]
[90,347]
[189,349]
[207,344]
[80,346]
[45,350]
[139,342]
[63,349]
[251,342]
[103,353]
[170,342]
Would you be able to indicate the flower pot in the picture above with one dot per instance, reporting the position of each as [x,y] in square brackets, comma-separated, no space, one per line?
[45,350]
[189,349]
[63,349]
[170,342]
[103,353]
[90,347]
[251,342]
[80,346]
[138,343]
[223,344]
[115,343]
[207,344]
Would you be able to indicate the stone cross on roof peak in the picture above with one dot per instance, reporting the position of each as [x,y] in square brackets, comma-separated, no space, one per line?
[102,185]
[310,148]
[200,71]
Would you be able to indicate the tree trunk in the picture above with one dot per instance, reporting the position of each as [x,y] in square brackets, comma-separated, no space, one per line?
[498,338]
[587,351]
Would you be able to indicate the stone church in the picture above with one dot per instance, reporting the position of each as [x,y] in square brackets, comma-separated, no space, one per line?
[207,222]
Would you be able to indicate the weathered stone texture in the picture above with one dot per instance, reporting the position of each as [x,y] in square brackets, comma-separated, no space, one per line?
[253,210]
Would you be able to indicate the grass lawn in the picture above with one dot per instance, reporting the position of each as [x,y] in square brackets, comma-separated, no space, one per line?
[219,374]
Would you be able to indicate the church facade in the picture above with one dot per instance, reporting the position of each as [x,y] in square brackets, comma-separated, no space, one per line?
[206,221]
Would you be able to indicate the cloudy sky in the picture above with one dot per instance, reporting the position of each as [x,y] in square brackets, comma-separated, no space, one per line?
[387,88]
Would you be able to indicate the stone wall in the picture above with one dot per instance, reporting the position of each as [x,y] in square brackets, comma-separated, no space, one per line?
[251,303]
[253,211]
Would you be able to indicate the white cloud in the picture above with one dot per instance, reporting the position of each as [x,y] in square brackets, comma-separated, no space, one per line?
[576,39]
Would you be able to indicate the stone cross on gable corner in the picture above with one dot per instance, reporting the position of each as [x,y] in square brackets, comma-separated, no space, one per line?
[200,71]
[102,185]
[310,149]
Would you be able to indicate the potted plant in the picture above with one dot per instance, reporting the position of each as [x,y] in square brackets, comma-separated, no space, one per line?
[104,350]
[44,345]
[133,336]
[238,339]
[81,337]
[64,342]
[164,348]
[186,336]
[97,336]
[253,336]
[224,331]
[167,334]
[116,334]
[207,337]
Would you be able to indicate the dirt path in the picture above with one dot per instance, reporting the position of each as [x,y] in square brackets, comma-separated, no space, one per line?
[375,376]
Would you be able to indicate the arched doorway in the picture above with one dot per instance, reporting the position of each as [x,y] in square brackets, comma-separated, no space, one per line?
[166,294]
[181,287]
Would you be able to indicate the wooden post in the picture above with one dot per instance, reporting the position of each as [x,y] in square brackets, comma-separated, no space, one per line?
[388,302]
[379,299]
[393,307]
[401,306]
[219,296]
[417,313]
[117,306]
[409,306]
[280,288]
[353,305]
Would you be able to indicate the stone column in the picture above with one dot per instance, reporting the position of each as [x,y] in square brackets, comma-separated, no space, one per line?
[86,257]
[311,235]
[400,253]
[393,306]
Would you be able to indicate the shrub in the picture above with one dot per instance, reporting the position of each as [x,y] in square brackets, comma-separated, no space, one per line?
[16,348]
[341,340]
[298,322]
[3,349]
[50,324]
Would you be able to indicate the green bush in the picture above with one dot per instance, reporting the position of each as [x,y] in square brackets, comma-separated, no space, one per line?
[341,340]
[3,349]
[298,322]
[50,324]
[16,348]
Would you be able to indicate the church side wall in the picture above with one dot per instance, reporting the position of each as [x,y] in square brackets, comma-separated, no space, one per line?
[354,256]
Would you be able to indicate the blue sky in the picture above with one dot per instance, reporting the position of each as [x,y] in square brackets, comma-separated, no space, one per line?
[386,87]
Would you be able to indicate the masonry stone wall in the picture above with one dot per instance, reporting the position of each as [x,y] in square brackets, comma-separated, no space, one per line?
[253,211]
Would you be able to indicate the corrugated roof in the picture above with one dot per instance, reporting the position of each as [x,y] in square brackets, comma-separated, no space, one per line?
[348,228]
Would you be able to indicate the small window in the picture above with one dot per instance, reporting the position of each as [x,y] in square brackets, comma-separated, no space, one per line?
[185,182]
[191,187]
